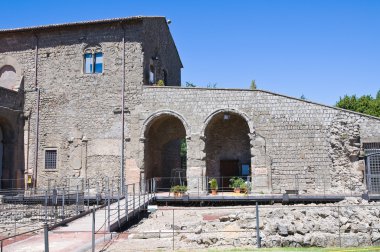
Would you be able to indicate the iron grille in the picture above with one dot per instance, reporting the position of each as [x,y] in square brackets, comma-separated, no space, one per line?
[371,147]
[50,159]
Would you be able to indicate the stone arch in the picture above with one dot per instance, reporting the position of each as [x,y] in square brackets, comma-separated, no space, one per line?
[227,134]
[231,111]
[7,151]
[1,154]
[150,120]
[10,73]
[163,133]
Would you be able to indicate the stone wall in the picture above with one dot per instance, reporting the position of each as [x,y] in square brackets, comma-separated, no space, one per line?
[292,141]
[79,114]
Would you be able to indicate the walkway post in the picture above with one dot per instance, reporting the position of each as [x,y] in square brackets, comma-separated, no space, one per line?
[93,229]
[118,208]
[46,237]
[77,200]
[134,199]
[173,229]
[109,210]
[126,201]
[46,203]
[258,226]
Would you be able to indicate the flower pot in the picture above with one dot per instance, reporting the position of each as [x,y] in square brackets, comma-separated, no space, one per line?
[237,190]
[214,191]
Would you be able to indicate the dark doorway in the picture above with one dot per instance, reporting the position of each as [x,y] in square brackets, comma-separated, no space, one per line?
[227,147]
[165,152]
[228,169]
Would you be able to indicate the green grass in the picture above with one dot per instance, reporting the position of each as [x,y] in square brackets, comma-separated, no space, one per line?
[313,249]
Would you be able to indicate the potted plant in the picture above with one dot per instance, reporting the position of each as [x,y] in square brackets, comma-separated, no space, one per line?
[237,183]
[213,186]
[178,190]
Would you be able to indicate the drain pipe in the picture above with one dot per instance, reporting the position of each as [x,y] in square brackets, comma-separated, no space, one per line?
[122,171]
[37,89]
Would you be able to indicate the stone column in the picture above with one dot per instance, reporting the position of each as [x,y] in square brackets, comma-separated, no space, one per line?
[196,164]
[261,166]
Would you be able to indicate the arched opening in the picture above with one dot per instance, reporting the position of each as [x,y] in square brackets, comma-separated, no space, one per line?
[228,151]
[8,77]
[1,156]
[165,152]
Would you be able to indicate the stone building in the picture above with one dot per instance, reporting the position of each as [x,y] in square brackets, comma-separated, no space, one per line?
[79,100]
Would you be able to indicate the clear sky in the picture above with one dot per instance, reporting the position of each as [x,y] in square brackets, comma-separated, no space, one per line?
[323,49]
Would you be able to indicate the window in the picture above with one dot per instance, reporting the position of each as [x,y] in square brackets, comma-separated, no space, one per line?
[165,74]
[93,60]
[50,159]
[152,78]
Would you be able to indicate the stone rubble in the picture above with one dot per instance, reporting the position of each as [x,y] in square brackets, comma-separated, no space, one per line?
[280,226]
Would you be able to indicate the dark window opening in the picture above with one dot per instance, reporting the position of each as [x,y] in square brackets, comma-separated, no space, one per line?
[50,159]
[93,60]
[165,75]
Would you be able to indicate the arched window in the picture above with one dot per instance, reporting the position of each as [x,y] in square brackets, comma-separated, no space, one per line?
[8,77]
[152,75]
[93,60]
[165,75]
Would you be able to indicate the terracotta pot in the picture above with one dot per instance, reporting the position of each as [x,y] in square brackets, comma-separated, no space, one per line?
[236,190]
[214,192]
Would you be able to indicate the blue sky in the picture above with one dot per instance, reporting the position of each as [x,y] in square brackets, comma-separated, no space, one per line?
[322,49]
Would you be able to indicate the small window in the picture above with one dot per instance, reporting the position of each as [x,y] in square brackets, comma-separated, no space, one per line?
[93,60]
[165,74]
[98,62]
[50,159]
[88,61]
[152,78]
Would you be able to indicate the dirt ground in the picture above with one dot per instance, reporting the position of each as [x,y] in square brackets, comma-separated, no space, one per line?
[156,233]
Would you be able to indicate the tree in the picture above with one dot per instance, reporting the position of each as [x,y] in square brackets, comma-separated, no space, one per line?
[364,104]
[253,85]
[189,84]
[212,85]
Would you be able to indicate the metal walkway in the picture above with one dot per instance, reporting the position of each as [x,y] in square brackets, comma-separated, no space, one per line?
[76,235]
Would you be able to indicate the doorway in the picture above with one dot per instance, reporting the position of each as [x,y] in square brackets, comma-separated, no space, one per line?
[228,169]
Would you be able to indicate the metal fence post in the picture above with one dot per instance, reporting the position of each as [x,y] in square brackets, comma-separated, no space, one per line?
[63,203]
[77,200]
[46,202]
[126,201]
[173,229]
[46,237]
[93,229]
[118,208]
[139,199]
[258,238]
[134,199]
[88,194]
[109,210]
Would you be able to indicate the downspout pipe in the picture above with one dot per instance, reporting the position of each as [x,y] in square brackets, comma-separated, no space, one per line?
[122,168]
[37,89]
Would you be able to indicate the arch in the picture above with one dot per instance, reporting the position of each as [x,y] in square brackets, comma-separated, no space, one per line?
[8,77]
[163,139]
[8,60]
[1,154]
[231,111]
[7,151]
[150,120]
[227,134]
